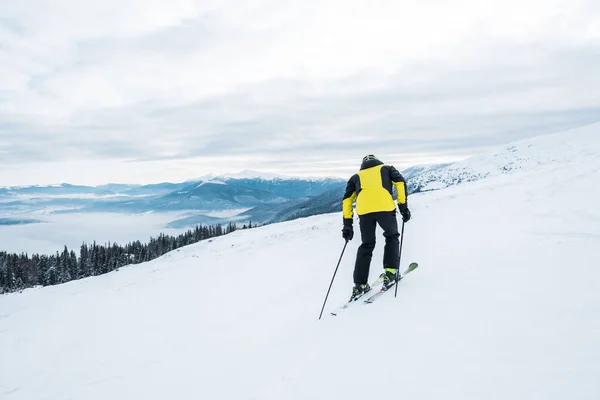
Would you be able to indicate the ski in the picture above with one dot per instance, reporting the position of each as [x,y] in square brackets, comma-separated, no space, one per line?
[377,295]
[347,304]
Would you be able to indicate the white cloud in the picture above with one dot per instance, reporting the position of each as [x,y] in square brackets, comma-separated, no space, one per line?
[177,80]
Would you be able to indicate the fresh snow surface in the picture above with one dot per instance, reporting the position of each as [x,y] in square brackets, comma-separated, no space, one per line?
[505,305]
[524,155]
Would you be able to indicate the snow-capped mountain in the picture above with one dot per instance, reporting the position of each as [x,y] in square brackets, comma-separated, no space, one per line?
[504,305]
[155,189]
[250,174]
[216,193]
[256,175]
[523,155]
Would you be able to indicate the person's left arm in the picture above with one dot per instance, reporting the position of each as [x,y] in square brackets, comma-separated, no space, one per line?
[400,184]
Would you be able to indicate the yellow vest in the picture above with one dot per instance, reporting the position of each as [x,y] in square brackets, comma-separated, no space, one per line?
[371,194]
[373,197]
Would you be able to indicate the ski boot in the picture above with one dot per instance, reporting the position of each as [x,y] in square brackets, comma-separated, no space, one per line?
[390,277]
[358,290]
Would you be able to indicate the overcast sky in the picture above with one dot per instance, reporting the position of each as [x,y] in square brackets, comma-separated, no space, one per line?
[143,91]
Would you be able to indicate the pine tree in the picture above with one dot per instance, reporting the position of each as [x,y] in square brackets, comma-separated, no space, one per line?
[18,272]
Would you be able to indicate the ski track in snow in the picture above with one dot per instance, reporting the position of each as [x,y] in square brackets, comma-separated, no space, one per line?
[504,305]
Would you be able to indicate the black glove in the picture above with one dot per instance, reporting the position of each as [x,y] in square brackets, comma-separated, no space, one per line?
[405,212]
[348,230]
[406,215]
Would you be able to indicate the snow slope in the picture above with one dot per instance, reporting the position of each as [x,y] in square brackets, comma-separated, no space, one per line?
[524,155]
[505,305]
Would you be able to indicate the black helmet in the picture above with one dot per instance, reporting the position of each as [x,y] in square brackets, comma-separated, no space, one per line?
[370,157]
[370,161]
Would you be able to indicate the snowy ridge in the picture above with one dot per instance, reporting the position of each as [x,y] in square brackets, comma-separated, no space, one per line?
[530,154]
[213,182]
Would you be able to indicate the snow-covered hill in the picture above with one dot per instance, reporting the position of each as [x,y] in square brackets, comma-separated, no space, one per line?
[505,305]
[519,156]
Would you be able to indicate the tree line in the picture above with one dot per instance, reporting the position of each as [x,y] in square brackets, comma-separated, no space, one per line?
[21,271]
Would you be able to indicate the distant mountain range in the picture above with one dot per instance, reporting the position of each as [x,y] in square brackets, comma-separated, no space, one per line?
[259,198]
[263,198]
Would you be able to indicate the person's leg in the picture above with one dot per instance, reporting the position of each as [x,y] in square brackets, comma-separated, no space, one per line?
[365,251]
[389,224]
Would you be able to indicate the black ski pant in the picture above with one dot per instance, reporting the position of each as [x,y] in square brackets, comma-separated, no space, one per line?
[368,223]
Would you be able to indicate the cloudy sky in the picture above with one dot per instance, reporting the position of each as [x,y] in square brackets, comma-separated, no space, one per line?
[147,90]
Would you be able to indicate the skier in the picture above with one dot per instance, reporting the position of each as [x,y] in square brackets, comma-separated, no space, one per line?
[371,187]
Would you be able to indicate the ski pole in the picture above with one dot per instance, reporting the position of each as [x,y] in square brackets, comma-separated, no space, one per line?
[399,258]
[331,284]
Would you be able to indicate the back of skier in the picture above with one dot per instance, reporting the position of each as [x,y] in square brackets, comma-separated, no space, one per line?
[371,187]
